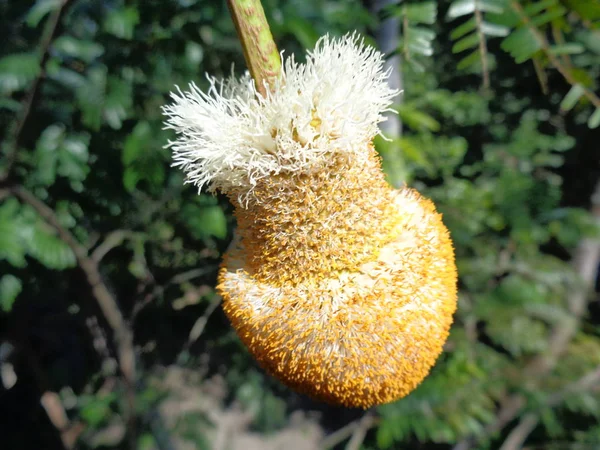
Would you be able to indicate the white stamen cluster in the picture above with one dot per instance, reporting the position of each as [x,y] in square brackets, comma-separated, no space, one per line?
[231,137]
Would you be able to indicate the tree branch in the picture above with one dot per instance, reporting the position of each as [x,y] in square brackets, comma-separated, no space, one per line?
[69,431]
[357,427]
[108,305]
[12,143]
[159,290]
[519,434]
[199,326]
[541,75]
[360,432]
[112,240]
[555,61]
[482,46]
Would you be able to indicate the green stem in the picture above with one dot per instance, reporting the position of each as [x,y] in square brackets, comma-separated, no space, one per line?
[260,51]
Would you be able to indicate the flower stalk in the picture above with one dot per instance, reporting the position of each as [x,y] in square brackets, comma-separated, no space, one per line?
[260,50]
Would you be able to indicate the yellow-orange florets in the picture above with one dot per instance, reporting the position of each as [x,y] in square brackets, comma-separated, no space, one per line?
[341,286]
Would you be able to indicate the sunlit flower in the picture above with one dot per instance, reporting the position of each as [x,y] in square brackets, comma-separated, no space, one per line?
[340,286]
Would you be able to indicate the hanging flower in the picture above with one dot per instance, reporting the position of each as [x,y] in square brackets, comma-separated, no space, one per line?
[341,286]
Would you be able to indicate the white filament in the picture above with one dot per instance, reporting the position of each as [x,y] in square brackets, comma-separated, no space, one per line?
[230,136]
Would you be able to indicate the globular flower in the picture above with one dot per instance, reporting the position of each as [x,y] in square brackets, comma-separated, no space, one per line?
[340,286]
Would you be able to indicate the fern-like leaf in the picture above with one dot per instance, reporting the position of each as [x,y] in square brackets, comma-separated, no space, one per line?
[417,37]
[473,34]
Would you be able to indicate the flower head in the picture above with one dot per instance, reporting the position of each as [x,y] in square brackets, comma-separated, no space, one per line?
[340,286]
[230,137]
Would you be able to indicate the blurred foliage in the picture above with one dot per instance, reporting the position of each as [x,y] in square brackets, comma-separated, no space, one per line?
[511,162]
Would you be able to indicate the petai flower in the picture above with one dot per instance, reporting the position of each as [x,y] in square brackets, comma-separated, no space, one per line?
[341,286]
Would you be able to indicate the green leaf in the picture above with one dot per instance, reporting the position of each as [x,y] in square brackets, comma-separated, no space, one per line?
[469,61]
[46,154]
[424,12]
[492,6]
[11,244]
[412,152]
[121,23]
[467,42]
[415,65]
[393,163]
[40,10]
[10,288]
[23,232]
[17,71]
[508,18]
[130,179]
[385,434]
[136,142]
[567,49]
[551,422]
[419,47]
[586,9]
[538,6]
[119,102]
[461,8]
[421,34]
[60,154]
[594,120]
[73,158]
[461,30]
[590,39]
[9,104]
[417,120]
[91,97]
[491,29]
[549,16]
[143,158]
[303,31]
[550,314]
[97,409]
[87,51]
[194,53]
[516,333]
[582,77]
[68,78]
[572,97]
[206,221]
[522,44]
[419,41]
[48,249]
[147,442]
[11,247]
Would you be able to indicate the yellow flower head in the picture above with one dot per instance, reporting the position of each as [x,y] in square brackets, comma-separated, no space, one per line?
[340,286]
